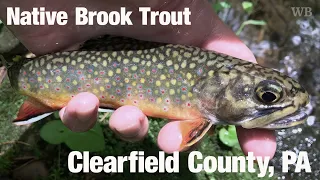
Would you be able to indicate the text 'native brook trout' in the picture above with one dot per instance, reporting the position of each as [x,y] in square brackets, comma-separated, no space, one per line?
[164,80]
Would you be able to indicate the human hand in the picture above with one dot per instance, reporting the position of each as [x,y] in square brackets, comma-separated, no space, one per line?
[206,31]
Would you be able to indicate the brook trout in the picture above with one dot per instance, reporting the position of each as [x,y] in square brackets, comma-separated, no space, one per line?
[175,82]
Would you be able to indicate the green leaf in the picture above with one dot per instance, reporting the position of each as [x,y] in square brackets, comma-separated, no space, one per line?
[220,6]
[247,6]
[55,132]
[92,140]
[251,22]
[229,137]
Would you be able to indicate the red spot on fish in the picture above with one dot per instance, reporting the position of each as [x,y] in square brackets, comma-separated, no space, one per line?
[122,100]
[68,79]
[142,70]
[149,90]
[135,76]
[129,88]
[112,96]
[24,73]
[88,85]
[162,91]
[171,71]
[177,100]
[154,70]
[24,87]
[115,64]
[128,94]
[41,87]
[117,78]
[102,72]
[140,87]
[152,99]
[90,70]
[49,80]
[188,104]
[150,80]
[168,101]
[57,71]
[135,102]
[118,91]
[79,72]
[72,96]
[125,69]
[102,97]
[79,88]
[141,96]
[96,79]
[31,80]
[165,108]
[58,89]
[183,89]
[108,86]
[68,87]
[38,73]
[82,78]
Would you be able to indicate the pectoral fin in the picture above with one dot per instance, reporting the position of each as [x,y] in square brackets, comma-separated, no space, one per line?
[192,131]
[32,111]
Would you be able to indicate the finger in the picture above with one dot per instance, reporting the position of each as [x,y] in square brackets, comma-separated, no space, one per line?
[259,141]
[129,123]
[81,112]
[170,137]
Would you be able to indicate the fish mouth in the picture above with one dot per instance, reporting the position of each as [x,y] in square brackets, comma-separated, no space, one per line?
[291,120]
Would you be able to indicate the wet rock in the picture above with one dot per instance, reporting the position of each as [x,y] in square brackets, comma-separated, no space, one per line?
[32,170]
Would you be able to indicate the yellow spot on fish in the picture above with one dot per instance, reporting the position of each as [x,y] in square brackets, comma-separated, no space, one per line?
[114,54]
[95,73]
[46,85]
[119,58]
[175,53]
[189,76]
[72,63]
[143,62]
[187,54]
[64,68]
[48,66]
[99,59]
[167,84]
[136,60]
[89,76]
[125,61]
[192,65]
[44,72]
[149,63]
[159,100]
[95,64]
[105,55]
[210,73]
[41,61]
[74,82]
[176,67]
[161,56]
[104,63]
[79,59]
[184,64]
[58,78]
[148,56]
[81,66]
[169,63]
[106,80]
[126,80]
[154,59]
[110,73]
[134,83]
[183,97]
[114,83]
[210,63]
[189,94]
[173,81]
[142,80]
[171,91]
[133,68]
[95,91]
[118,71]
[101,88]
[36,64]
[129,53]
[148,73]
[156,92]
[160,66]
[162,77]
[158,83]
[39,79]
[139,52]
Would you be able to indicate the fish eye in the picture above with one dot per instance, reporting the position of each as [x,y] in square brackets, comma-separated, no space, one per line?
[269,92]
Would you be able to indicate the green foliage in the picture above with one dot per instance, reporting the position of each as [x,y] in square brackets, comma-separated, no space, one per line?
[219,6]
[250,22]
[229,136]
[247,6]
[55,132]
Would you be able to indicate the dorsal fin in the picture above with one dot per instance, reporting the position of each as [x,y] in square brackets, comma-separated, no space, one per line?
[32,111]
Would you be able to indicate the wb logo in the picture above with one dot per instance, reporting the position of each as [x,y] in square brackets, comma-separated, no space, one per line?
[301,11]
